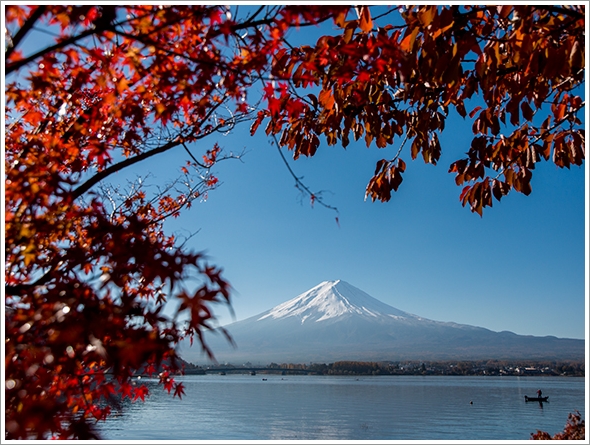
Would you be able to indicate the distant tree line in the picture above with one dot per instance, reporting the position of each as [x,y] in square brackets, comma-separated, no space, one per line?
[464,367]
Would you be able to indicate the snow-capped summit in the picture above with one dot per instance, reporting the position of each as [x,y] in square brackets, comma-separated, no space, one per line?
[336,321]
[331,299]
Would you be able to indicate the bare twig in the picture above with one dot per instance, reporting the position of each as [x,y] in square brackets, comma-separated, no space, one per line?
[300,185]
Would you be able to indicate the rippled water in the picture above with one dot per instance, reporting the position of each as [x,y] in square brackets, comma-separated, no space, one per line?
[244,407]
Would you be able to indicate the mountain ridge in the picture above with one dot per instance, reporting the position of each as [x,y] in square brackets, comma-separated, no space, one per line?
[337,321]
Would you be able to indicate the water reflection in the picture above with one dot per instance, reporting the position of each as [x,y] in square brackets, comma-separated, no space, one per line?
[328,408]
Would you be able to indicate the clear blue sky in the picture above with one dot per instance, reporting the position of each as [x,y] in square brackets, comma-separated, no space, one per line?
[519,268]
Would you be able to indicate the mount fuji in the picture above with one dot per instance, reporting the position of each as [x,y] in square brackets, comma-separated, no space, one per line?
[336,321]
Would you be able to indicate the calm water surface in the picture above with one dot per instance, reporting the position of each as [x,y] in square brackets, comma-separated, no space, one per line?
[244,407]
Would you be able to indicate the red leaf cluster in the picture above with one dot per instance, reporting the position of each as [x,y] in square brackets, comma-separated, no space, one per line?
[575,429]
[390,83]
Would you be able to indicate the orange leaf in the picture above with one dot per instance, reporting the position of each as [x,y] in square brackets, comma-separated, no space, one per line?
[366,23]
[427,15]
[326,99]
[160,108]
[122,85]
[559,111]
[407,43]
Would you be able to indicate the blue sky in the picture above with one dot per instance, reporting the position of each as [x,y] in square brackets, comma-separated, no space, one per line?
[519,268]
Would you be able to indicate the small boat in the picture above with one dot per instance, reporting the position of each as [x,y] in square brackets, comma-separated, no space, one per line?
[536,399]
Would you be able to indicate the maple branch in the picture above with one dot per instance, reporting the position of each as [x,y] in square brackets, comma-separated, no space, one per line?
[300,185]
[535,140]
[10,67]
[23,31]
[156,29]
[258,11]
[191,196]
[195,160]
[562,10]
[401,146]
[270,22]
[386,14]
[99,28]
[98,177]
[147,41]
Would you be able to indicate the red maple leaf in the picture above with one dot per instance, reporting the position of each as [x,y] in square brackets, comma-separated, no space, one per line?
[126,391]
[178,390]
[141,392]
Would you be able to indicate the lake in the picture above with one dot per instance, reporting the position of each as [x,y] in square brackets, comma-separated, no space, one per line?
[245,407]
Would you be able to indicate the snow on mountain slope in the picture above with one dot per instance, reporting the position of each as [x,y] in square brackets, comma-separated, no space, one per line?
[332,299]
[336,321]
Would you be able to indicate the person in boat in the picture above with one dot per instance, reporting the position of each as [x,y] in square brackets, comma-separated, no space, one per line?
[539,393]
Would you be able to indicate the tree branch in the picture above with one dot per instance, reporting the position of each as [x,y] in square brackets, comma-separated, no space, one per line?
[10,67]
[269,21]
[561,10]
[27,26]
[79,191]
[300,185]
[253,16]
[104,26]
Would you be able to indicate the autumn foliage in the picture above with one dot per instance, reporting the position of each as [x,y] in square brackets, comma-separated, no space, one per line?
[575,429]
[515,71]
[92,91]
